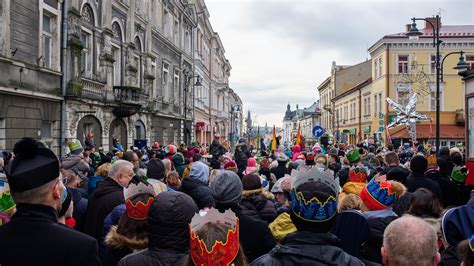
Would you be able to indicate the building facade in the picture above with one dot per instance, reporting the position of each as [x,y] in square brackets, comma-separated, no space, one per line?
[401,66]
[305,119]
[121,69]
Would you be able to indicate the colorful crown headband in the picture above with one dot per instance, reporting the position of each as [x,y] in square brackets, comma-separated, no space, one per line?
[358,174]
[432,160]
[135,188]
[459,173]
[381,191]
[221,253]
[314,209]
[6,201]
[138,211]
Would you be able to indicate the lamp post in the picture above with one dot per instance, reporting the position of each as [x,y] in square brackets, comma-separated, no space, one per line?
[188,77]
[415,33]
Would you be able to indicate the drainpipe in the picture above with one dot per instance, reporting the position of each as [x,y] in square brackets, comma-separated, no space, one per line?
[360,114]
[387,90]
[64,35]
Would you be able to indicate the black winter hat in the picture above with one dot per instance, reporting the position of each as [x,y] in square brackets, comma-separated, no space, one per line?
[251,182]
[33,166]
[155,169]
[418,164]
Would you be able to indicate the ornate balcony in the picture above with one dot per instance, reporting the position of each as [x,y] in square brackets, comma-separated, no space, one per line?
[88,89]
[128,100]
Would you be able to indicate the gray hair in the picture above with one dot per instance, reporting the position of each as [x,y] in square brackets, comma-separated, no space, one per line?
[409,239]
[118,166]
[38,195]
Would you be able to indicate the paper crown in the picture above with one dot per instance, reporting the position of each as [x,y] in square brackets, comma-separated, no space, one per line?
[378,194]
[358,174]
[139,210]
[6,201]
[353,156]
[432,161]
[221,253]
[138,187]
[313,209]
[460,173]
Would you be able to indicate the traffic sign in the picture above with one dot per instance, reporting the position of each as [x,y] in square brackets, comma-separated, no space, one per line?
[318,131]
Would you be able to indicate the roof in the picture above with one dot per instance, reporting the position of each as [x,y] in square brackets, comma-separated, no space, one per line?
[314,108]
[429,132]
[445,31]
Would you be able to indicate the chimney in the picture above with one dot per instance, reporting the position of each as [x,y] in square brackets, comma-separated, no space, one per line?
[407,27]
[433,20]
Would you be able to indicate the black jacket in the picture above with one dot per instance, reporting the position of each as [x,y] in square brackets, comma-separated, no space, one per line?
[451,194]
[199,191]
[259,207]
[216,150]
[307,248]
[416,181]
[168,236]
[450,257]
[34,237]
[103,200]
[397,173]
[280,170]
[241,154]
[378,221]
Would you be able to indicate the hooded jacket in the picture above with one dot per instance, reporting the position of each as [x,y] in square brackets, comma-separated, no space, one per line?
[296,152]
[258,204]
[378,221]
[179,165]
[417,180]
[119,246]
[199,192]
[308,248]
[280,170]
[103,200]
[75,164]
[241,154]
[168,236]
[216,150]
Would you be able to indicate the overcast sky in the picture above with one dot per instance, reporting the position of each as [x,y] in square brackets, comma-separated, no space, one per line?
[281,50]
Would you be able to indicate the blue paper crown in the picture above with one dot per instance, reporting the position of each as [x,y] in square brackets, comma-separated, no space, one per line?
[313,210]
[380,193]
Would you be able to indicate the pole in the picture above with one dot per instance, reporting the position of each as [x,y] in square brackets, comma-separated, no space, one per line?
[438,76]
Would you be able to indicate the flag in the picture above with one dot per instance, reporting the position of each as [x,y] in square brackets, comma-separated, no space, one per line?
[298,136]
[274,139]
[258,139]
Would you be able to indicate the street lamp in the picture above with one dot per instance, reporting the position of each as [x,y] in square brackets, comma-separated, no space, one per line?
[415,33]
[188,77]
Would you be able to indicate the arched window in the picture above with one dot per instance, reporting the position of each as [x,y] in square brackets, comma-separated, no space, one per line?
[139,61]
[87,21]
[117,53]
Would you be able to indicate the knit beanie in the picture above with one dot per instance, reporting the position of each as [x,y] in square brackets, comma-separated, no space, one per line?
[418,164]
[226,189]
[199,171]
[230,165]
[251,182]
[75,147]
[155,169]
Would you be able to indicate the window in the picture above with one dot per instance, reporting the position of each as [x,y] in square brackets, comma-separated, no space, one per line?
[402,64]
[433,64]
[380,103]
[176,32]
[470,61]
[47,40]
[117,67]
[86,58]
[46,130]
[176,85]
[376,68]
[375,104]
[165,82]
[432,104]
[368,105]
[380,66]
[154,92]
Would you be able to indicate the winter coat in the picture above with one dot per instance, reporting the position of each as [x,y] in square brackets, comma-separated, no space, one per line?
[113,218]
[397,173]
[241,154]
[296,152]
[216,150]
[75,164]
[280,170]
[308,248]
[103,200]
[34,237]
[378,221]
[258,204]
[80,208]
[451,193]
[119,246]
[254,235]
[450,257]
[168,236]
[199,191]
[282,226]
[179,164]
[416,181]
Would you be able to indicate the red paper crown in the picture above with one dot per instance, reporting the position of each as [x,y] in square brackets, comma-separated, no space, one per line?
[138,211]
[357,176]
[221,253]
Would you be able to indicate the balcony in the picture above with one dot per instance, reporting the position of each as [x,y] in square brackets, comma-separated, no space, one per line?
[128,100]
[88,89]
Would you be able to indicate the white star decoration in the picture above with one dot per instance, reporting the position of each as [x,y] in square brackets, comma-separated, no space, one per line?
[407,115]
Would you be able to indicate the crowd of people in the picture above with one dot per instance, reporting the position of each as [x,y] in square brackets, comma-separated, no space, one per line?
[192,205]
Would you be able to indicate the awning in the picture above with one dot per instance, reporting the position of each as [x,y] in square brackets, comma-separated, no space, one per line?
[429,132]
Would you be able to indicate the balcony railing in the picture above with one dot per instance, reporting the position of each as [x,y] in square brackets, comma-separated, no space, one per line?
[127,95]
[93,89]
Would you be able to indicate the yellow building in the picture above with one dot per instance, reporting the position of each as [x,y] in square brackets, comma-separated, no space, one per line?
[401,66]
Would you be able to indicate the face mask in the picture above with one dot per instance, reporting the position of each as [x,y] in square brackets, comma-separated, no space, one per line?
[63,194]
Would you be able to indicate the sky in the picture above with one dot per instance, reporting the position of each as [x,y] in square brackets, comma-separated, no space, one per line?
[281,50]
